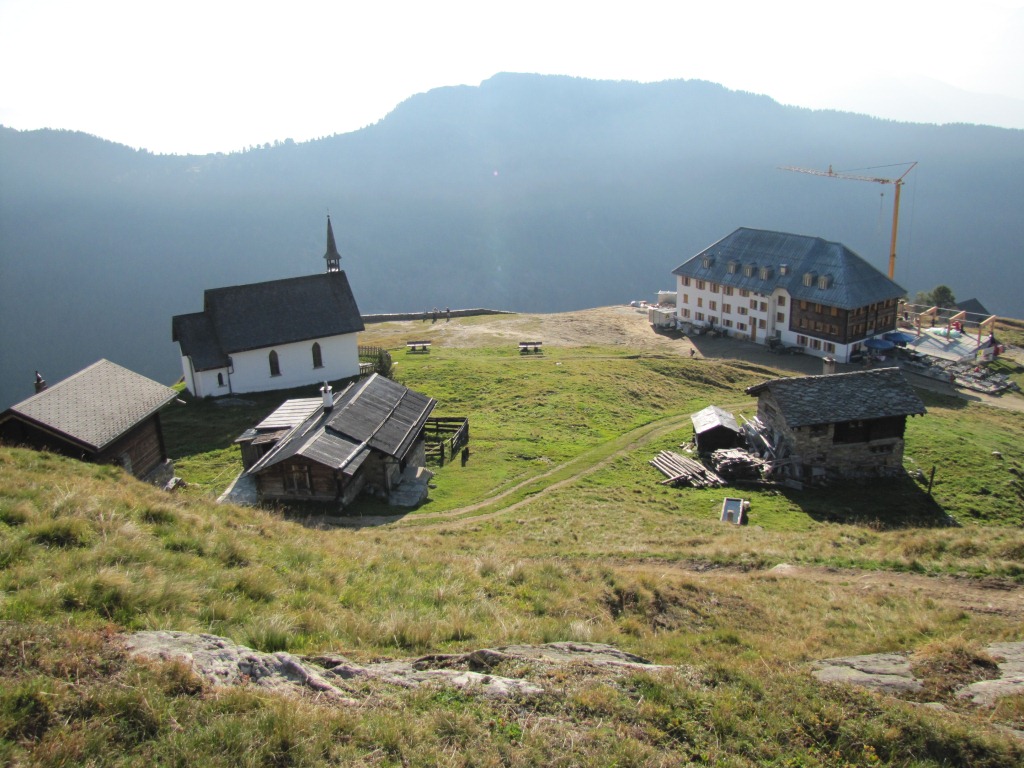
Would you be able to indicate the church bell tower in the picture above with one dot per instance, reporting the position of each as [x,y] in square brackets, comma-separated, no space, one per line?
[332,257]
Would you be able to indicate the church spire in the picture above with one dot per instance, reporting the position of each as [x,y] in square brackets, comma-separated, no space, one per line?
[332,257]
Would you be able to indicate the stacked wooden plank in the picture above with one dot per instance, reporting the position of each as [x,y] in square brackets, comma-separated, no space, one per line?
[735,463]
[681,470]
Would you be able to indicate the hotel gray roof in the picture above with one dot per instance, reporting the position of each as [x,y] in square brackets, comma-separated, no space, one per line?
[261,315]
[95,406]
[873,394]
[852,282]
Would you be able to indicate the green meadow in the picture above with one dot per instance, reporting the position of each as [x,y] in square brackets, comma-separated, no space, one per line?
[556,529]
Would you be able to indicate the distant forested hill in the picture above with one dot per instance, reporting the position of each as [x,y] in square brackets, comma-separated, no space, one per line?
[529,192]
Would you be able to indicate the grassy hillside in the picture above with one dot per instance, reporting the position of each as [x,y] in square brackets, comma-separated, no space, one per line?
[556,530]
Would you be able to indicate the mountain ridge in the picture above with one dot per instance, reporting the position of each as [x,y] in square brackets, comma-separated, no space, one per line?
[528,192]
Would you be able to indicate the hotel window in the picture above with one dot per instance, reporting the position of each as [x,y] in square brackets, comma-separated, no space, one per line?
[815,343]
[764,306]
[753,303]
[686,313]
[686,282]
[713,305]
[802,340]
[762,323]
[700,302]
[727,308]
[780,317]
[714,287]
[781,301]
[686,298]
[700,285]
[742,310]
[835,311]
[700,317]
[727,290]
[830,347]
[727,323]
[741,326]
[744,292]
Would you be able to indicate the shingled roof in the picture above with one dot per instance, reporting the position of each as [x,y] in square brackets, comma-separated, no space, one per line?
[95,406]
[261,315]
[373,414]
[851,281]
[873,394]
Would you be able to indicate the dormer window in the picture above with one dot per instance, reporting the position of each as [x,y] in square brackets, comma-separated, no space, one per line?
[733,266]
[824,282]
[783,269]
[707,261]
[766,273]
[809,279]
[748,270]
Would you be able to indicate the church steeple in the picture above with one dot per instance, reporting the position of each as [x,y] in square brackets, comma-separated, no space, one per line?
[332,257]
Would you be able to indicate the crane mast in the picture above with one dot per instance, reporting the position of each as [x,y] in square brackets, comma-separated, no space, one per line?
[897,184]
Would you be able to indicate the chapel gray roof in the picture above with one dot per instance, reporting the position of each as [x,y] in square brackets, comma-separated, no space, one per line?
[712,417]
[374,413]
[95,406]
[260,315]
[873,394]
[852,282]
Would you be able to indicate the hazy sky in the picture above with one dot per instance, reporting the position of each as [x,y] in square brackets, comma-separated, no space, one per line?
[220,75]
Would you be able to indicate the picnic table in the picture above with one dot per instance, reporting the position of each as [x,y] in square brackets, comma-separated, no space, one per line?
[417,346]
[530,346]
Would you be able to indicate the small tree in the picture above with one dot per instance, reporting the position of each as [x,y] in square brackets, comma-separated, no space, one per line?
[383,364]
[942,296]
[939,296]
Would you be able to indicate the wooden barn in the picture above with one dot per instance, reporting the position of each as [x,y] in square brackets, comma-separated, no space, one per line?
[369,438]
[103,414]
[842,425]
[714,428]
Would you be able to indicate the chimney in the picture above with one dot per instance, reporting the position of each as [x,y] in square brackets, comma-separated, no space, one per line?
[325,390]
[40,383]
[829,365]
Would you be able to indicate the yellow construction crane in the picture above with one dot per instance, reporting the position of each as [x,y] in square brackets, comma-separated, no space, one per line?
[897,183]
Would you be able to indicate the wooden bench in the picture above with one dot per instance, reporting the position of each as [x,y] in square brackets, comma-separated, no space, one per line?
[530,346]
[417,346]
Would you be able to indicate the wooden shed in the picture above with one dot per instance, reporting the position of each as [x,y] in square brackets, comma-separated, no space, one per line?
[104,414]
[714,428]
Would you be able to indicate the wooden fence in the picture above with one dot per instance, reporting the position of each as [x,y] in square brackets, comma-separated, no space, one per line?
[445,436]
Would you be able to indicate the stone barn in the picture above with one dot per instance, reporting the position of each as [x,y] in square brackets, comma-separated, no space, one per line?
[843,425]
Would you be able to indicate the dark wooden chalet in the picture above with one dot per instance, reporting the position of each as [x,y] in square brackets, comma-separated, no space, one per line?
[103,414]
[361,440]
[840,425]
[714,428]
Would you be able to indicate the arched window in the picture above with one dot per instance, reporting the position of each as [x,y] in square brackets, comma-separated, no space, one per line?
[275,366]
[318,359]
[220,379]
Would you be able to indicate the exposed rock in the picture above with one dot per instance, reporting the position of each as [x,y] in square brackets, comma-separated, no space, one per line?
[891,673]
[887,672]
[220,662]
[1010,659]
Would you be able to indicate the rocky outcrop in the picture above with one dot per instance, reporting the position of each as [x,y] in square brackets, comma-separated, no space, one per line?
[886,672]
[892,673]
[220,662]
[1010,660]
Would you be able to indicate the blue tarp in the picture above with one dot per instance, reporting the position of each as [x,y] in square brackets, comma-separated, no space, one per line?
[879,344]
